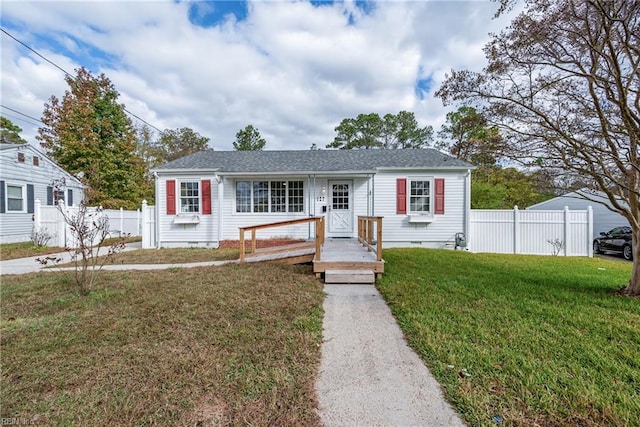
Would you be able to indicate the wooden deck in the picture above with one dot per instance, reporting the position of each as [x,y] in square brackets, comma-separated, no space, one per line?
[341,254]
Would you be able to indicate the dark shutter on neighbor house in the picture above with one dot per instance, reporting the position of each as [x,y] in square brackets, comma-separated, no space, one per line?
[69,197]
[2,198]
[206,197]
[49,196]
[439,184]
[401,195]
[171,197]
[30,199]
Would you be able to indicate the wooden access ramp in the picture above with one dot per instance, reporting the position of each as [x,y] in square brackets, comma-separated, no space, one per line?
[339,260]
[297,253]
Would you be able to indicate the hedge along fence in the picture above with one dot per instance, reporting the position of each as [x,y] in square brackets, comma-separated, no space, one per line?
[534,232]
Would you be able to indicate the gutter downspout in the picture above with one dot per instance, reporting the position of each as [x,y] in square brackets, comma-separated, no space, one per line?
[373,195]
[312,201]
[466,225]
[220,182]
[156,213]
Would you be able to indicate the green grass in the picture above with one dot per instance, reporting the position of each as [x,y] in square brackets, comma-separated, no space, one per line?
[25,249]
[174,256]
[203,346]
[531,340]
[28,249]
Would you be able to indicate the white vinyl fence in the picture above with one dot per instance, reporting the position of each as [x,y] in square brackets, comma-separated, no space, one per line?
[148,226]
[534,232]
[48,218]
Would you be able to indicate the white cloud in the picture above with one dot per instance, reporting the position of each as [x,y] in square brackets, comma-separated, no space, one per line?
[292,70]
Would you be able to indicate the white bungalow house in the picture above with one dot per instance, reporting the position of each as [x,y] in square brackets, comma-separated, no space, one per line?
[27,175]
[204,198]
[604,219]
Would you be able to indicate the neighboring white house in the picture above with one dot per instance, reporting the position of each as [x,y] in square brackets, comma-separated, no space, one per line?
[203,199]
[27,175]
[603,218]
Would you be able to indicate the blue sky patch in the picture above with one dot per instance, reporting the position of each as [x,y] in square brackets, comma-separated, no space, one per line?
[367,7]
[423,86]
[84,54]
[211,13]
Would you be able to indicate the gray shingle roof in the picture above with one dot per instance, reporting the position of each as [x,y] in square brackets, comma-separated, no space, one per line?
[313,161]
[8,145]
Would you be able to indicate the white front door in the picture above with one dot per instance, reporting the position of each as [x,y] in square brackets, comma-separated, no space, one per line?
[340,216]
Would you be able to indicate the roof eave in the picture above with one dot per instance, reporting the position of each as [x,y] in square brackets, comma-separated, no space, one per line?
[412,168]
[262,173]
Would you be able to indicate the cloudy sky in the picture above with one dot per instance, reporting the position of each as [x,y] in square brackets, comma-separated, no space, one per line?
[292,69]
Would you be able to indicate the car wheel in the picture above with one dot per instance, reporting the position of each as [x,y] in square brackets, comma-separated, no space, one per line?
[596,248]
[627,253]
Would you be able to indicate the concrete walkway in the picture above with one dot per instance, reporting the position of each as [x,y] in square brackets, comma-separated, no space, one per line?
[368,374]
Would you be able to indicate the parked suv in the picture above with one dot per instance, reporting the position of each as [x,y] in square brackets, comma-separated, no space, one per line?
[615,240]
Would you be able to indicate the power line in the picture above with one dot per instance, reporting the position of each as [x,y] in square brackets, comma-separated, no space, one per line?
[21,113]
[68,74]
[16,118]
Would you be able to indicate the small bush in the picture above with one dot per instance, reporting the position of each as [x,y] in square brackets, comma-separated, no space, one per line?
[40,237]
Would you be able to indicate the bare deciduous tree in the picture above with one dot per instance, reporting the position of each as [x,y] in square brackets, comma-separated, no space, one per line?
[563,84]
[89,230]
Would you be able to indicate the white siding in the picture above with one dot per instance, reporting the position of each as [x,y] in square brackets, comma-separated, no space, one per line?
[232,220]
[180,235]
[206,232]
[17,227]
[367,191]
[440,233]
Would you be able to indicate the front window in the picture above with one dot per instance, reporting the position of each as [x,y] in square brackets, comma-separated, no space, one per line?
[269,196]
[189,197]
[420,196]
[15,198]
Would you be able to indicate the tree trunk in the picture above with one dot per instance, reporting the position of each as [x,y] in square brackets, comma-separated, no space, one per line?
[633,289]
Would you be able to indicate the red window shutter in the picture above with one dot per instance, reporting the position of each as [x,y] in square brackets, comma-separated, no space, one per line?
[171,197]
[206,197]
[401,196]
[439,184]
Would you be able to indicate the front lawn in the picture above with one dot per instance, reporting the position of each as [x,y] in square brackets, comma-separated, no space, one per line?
[521,340]
[25,249]
[238,344]
[173,255]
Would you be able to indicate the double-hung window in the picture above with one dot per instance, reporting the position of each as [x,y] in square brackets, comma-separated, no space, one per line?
[420,196]
[15,198]
[270,196]
[189,197]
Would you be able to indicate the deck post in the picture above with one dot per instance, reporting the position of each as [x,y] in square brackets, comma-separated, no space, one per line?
[253,241]
[319,236]
[379,238]
[241,245]
[369,230]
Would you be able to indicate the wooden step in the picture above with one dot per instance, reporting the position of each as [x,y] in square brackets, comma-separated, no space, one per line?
[349,276]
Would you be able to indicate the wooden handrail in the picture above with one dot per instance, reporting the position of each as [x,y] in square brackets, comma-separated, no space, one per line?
[365,233]
[319,237]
